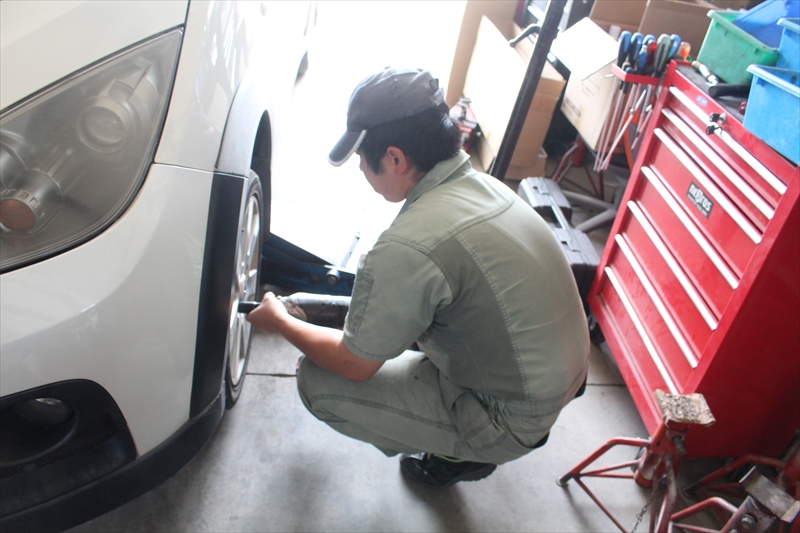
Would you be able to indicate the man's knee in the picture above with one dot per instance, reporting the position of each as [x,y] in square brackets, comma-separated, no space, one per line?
[312,387]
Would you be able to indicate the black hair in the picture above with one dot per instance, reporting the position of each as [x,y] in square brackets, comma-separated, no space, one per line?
[425,138]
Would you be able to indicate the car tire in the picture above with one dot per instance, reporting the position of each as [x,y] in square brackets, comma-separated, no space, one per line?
[246,275]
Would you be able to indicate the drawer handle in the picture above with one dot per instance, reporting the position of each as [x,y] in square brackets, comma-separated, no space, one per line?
[685,100]
[673,265]
[746,156]
[729,173]
[700,176]
[754,163]
[660,307]
[651,349]
[719,119]
[690,226]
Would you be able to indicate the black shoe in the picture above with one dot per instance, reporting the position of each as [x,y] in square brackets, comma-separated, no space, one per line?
[437,473]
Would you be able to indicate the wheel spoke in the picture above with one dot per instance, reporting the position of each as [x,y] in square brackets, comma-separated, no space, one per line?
[245,287]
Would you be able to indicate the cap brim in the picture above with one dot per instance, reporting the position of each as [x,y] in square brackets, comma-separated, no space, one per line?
[348,144]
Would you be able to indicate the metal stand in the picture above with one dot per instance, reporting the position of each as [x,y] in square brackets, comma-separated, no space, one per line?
[766,502]
[657,467]
[574,157]
[594,201]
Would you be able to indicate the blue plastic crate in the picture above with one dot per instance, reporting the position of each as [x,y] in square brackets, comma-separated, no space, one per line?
[773,109]
[789,50]
[761,21]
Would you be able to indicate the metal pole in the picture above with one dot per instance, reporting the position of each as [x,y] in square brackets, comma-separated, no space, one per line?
[548,33]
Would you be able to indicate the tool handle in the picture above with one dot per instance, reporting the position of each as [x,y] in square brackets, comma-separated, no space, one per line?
[707,74]
[662,55]
[624,42]
[246,307]
[635,47]
[729,89]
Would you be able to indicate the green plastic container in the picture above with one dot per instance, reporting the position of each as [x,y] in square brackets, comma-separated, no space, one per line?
[728,50]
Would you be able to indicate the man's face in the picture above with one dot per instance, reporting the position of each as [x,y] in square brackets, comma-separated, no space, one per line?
[381,182]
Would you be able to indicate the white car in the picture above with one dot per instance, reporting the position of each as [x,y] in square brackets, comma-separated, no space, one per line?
[135,147]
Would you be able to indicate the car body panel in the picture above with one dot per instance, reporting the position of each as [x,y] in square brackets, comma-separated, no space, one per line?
[143,308]
[52,36]
[269,45]
[120,310]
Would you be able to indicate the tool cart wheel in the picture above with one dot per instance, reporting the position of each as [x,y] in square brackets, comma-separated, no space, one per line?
[595,334]
[247,269]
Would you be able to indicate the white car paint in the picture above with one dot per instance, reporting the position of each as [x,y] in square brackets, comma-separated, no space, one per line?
[269,44]
[121,310]
[43,41]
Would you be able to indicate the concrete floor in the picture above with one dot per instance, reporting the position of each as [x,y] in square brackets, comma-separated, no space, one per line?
[272,466]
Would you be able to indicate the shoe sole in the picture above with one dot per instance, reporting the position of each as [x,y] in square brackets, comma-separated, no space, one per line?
[470,476]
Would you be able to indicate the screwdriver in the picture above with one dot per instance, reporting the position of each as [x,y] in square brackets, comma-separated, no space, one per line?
[666,46]
[623,51]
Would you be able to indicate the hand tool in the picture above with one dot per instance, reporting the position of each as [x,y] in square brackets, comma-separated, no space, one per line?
[729,89]
[624,95]
[620,133]
[320,309]
[623,52]
[683,50]
[634,99]
[707,74]
[666,47]
[660,56]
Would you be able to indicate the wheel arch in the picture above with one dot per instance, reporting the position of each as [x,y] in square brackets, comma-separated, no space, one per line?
[247,139]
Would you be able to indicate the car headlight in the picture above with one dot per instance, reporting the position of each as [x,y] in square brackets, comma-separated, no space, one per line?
[73,156]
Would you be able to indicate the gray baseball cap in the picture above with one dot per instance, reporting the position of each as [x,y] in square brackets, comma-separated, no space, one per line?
[384,97]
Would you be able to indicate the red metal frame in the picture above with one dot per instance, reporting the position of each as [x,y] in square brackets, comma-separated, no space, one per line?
[660,460]
[638,79]
[747,365]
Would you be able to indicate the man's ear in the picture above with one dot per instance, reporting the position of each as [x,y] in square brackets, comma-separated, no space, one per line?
[397,160]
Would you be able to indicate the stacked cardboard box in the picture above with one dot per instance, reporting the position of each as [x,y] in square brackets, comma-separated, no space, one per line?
[494,78]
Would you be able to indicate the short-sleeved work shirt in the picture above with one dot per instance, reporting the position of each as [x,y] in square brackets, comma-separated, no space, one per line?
[476,277]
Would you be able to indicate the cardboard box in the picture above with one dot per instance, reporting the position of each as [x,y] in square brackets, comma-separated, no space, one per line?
[538,170]
[588,52]
[625,14]
[494,78]
[468,34]
[514,172]
[687,18]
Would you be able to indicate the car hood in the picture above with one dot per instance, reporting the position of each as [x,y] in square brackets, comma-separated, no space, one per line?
[43,41]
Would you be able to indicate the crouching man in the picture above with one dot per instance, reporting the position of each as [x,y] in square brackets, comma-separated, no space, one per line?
[467,271]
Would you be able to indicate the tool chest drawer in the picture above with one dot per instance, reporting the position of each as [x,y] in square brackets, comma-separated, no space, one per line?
[757,163]
[708,207]
[730,182]
[684,303]
[671,355]
[698,288]
[698,258]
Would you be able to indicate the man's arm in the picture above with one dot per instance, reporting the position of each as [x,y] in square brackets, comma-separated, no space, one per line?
[324,346]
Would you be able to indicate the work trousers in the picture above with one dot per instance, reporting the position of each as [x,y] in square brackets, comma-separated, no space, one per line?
[408,406]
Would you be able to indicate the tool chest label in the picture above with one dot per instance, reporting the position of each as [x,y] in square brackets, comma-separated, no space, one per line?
[699,199]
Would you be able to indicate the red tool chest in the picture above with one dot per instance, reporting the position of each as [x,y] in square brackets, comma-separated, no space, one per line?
[698,288]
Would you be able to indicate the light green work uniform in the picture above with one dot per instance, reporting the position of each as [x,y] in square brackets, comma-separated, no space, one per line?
[476,278]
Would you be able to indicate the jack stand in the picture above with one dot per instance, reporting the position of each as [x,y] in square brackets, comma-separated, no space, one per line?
[574,157]
[658,465]
[766,501]
[765,504]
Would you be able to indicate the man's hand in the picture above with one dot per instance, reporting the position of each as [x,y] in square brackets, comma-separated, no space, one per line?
[324,346]
[269,315]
